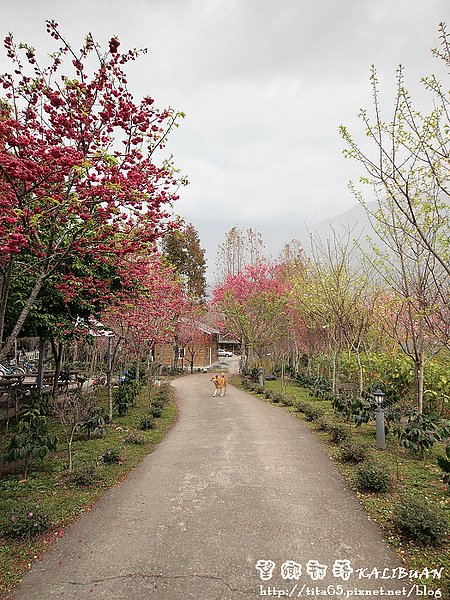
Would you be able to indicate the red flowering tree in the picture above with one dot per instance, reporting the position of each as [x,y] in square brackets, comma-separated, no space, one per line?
[78,181]
[148,315]
[191,334]
[252,305]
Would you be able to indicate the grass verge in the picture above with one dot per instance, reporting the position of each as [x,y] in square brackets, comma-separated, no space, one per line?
[49,487]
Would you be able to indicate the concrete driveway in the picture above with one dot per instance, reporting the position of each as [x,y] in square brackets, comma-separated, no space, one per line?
[238,502]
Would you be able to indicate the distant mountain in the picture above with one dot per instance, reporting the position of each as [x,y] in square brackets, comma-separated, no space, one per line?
[212,233]
[353,220]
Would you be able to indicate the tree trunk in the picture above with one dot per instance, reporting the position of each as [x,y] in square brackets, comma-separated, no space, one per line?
[419,366]
[75,354]
[9,343]
[69,448]
[109,367]
[93,362]
[4,293]
[138,367]
[57,355]
[175,355]
[360,372]
[334,371]
[40,373]
[296,364]
[244,355]
[150,378]
[421,382]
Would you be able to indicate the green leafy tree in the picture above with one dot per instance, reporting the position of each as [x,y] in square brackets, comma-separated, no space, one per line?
[182,249]
[334,295]
[55,313]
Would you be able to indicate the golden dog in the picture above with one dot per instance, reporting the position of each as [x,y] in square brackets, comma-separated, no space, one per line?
[220,384]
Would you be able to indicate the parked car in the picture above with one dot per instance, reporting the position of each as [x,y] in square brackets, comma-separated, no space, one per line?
[224,353]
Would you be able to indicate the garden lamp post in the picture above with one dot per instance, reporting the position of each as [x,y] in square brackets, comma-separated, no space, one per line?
[261,377]
[379,418]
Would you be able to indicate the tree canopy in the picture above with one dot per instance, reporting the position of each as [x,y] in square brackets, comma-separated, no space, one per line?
[79,183]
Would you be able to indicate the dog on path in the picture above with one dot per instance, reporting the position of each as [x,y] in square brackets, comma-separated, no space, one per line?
[220,384]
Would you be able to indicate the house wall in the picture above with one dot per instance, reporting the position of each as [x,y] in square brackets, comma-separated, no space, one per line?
[164,354]
[207,354]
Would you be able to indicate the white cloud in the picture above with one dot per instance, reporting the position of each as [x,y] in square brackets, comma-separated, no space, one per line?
[265,85]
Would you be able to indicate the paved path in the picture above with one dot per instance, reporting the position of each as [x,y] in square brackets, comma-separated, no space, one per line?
[234,482]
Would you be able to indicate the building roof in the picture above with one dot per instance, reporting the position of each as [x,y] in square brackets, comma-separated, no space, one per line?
[207,329]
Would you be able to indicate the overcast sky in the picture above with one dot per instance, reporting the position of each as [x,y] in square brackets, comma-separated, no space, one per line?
[264,84]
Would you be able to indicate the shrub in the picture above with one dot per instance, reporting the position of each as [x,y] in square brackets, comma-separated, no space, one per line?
[353,452]
[125,395]
[157,402]
[372,477]
[254,374]
[146,422]
[163,394]
[300,405]
[352,407]
[287,400]
[130,374]
[31,442]
[134,438]
[444,464]
[312,413]
[84,476]
[269,395]
[277,398]
[155,410]
[322,424]
[26,521]
[417,519]
[339,433]
[423,431]
[123,398]
[304,380]
[40,402]
[171,371]
[111,456]
[321,387]
[95,426]
[247,384]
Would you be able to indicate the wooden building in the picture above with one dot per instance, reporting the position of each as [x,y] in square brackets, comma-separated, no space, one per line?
[198,353]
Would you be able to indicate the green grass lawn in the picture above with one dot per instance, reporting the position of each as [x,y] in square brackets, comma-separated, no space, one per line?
[48,484]
[415,474]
